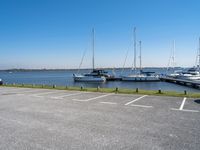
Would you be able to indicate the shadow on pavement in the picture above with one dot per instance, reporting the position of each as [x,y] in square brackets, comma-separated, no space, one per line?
[197,101]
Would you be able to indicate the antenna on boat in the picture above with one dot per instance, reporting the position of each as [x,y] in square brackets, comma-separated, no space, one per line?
[93,48]
[140,43]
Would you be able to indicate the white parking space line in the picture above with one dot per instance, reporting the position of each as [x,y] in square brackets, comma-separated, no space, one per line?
[182,107]
[183,103]
[12,120]
[186,110]
[12,90]
[144,106]
[9,88]
[110,103]
[135,100]
[189,110]
[90,99]
[42,94]
[61,97]
[5,90]
[25,92]
[21,92]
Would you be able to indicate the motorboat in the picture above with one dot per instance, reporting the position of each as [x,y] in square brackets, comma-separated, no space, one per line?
[174,74]
[190,74]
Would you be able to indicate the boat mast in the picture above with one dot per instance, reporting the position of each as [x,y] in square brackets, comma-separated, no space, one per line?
[171,62]
[140,42]
[81,61]
[93,48]
[173,55]
[199,56]
[135,49]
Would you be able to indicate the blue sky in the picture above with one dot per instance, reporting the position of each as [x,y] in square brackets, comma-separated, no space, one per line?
[55,33]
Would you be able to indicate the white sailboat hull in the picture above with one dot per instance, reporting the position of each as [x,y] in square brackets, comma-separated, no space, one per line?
[82,78]
[173,75]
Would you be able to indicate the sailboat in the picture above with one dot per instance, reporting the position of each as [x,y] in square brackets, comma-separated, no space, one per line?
[141,76]
[171,64]
[96,75]
[192,73]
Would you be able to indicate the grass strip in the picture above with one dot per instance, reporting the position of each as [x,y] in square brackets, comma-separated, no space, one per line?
[109,90]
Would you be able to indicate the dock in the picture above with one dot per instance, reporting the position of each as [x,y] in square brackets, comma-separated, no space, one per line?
[194,84]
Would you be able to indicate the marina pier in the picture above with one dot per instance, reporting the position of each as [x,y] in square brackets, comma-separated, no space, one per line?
[192,83]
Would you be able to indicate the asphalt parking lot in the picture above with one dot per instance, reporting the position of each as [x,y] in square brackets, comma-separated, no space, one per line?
[54,119]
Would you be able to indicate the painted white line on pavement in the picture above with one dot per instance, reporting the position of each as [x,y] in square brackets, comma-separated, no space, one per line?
[90,99]
[8,90]
[136,99]
[111,103]
[20,94]
[12,120]
[144,106]
[61,97]
[24,92]
[189,110]
[12,90]
[186,110]
[42,94]
[183,103]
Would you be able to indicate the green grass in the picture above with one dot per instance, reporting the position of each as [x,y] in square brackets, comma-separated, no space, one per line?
[110,90]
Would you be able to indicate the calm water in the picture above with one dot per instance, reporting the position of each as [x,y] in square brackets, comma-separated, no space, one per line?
[65,78]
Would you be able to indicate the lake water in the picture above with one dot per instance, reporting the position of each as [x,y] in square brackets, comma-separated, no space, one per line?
[65,78]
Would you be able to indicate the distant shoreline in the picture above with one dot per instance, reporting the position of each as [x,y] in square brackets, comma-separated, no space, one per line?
[27,70]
